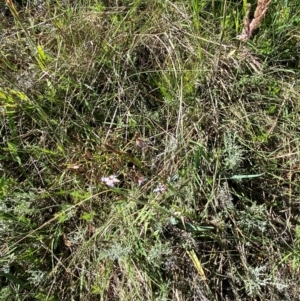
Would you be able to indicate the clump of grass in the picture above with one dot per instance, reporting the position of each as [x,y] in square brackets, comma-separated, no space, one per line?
[146,155]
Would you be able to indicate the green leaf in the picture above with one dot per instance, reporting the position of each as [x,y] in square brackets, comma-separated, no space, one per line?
[15,280]
[187,226]
[42,54]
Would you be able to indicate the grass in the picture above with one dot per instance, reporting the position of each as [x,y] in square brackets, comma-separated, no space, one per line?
[147,153]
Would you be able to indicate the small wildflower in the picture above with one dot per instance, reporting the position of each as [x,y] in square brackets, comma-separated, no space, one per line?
[110,181]
[160,188]
[141,181]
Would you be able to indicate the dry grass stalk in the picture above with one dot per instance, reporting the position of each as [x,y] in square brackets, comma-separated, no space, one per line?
[260,11]
[12,8]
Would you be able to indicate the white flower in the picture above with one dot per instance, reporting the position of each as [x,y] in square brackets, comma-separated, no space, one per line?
[160,188]
[110,181]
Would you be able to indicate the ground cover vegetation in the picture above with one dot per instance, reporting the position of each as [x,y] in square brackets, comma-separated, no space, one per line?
[148,153]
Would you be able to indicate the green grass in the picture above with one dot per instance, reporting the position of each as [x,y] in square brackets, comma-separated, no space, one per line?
[217,214]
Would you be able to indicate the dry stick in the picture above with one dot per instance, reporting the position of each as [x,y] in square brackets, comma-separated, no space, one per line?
[260,11]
